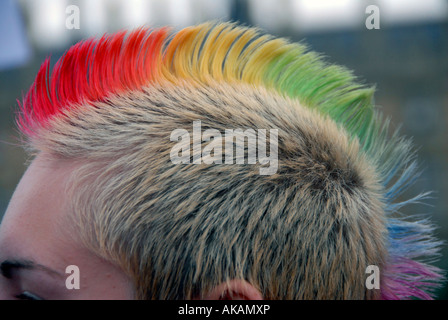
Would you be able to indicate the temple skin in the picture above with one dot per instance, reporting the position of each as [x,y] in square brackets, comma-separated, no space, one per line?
[34,229]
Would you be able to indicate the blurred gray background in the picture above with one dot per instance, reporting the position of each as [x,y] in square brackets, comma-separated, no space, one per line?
[406,59]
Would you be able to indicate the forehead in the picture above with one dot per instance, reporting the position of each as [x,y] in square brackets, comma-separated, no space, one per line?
[35,218]
[36,227]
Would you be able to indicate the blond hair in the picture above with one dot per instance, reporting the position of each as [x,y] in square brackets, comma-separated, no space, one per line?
[306,232]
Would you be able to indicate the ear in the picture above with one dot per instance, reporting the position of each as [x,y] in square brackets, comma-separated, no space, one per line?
[234,290]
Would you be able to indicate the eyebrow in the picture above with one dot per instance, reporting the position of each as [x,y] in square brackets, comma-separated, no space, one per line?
[8,266]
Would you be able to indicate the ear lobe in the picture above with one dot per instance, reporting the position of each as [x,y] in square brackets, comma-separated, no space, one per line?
[234,290]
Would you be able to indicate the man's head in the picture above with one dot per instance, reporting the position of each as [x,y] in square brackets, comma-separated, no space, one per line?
[101,125]
[38,242]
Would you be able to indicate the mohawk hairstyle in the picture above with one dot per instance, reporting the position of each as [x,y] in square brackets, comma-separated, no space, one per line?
[309,231]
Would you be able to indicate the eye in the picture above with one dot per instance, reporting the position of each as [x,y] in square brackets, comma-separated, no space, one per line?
[28,296]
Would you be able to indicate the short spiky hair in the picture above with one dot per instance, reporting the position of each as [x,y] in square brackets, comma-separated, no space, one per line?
[308,231]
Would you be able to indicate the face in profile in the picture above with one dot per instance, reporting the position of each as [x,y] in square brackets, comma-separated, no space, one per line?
[37,244]
[148,227]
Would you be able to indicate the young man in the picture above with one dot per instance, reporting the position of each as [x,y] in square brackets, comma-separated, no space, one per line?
[214,163]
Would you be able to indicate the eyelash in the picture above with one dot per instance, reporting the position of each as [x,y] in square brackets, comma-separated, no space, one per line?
[28,296]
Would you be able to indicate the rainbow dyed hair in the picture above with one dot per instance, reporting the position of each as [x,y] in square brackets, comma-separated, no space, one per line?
[95,70]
